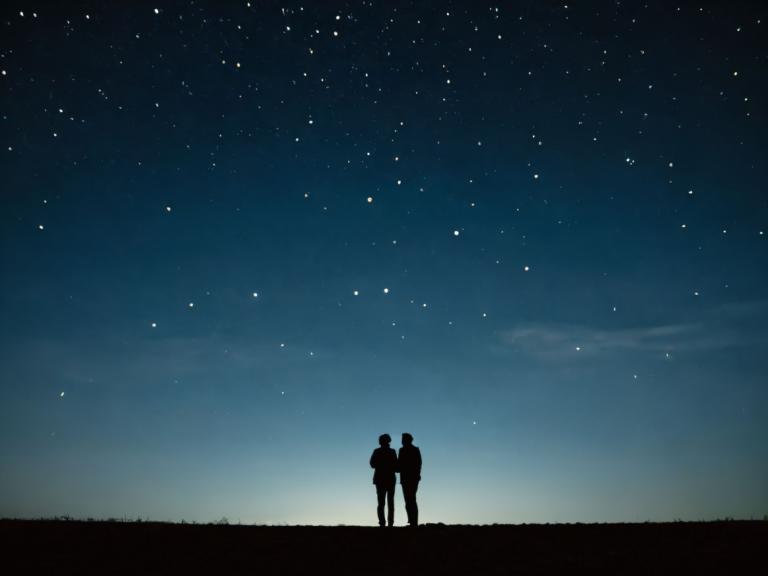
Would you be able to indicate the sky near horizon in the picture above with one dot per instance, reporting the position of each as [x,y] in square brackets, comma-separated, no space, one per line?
[240,240]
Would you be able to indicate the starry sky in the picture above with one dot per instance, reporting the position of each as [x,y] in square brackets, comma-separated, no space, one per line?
[240,240]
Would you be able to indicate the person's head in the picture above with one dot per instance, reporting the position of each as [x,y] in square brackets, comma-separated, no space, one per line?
[384,440]
[407,439]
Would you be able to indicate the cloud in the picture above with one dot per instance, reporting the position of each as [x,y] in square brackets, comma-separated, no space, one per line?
[728,326]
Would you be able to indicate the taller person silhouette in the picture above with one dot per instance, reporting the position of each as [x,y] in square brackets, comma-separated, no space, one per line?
[384,464]
[409,466]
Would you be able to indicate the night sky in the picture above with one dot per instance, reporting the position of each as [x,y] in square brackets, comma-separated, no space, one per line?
[238,241]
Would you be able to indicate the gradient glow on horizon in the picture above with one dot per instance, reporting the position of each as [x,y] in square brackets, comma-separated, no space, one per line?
[238,241]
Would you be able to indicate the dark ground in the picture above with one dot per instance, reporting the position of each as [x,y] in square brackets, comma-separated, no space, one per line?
[73,547]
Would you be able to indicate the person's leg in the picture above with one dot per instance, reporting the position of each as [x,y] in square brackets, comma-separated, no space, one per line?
[414,506]
[407,500]
[381,493]
[409,495]
[391,505]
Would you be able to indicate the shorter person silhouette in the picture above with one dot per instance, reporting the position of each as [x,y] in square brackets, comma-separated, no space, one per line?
[409,466]
[384,463]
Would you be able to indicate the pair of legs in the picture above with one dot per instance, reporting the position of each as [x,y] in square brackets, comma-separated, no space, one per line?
[411,508]
[386,491]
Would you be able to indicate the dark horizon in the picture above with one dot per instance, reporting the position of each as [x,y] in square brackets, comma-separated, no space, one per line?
[239,241]
[85,548]
[436,524]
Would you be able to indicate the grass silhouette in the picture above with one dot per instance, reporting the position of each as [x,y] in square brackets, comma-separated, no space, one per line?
[118,546]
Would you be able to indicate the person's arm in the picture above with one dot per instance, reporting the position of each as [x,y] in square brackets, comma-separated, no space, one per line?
[373,459]
[418,463]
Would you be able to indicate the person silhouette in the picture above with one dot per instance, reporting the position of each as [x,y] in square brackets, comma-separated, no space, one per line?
[384,463]
[409,466]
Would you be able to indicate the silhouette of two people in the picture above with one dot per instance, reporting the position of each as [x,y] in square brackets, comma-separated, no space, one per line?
[386,464]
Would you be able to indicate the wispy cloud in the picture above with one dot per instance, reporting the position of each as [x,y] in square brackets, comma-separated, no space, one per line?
[729,326]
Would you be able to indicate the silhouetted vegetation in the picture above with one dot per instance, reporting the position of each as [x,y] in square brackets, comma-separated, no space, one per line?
[66,546]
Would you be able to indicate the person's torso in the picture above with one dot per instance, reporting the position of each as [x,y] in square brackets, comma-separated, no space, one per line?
[385,460]
[409,460]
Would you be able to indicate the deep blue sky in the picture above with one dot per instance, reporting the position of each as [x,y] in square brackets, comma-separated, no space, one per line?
[238,242]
